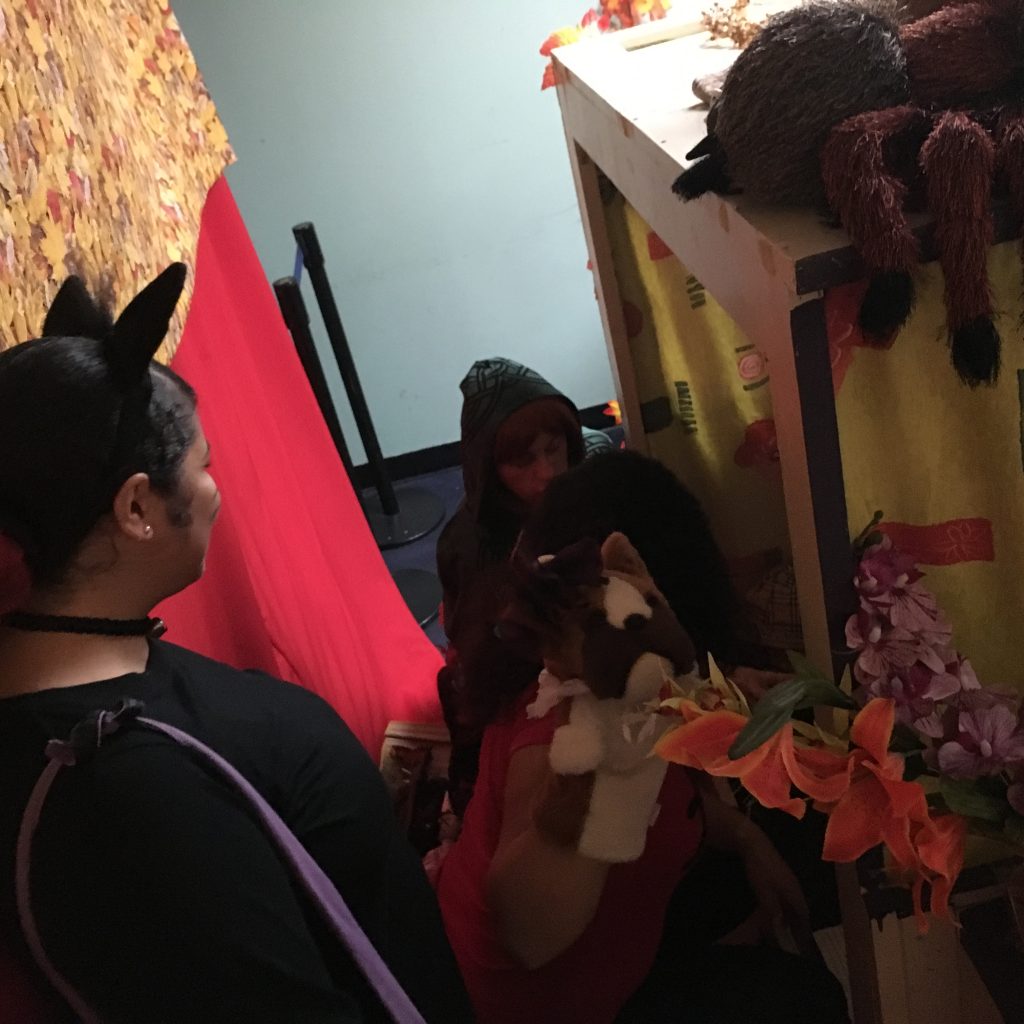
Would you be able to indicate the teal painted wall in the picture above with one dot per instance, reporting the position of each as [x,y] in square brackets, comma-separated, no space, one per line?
[415,137]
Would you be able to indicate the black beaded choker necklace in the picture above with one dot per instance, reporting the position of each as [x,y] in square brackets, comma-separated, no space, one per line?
[32,623]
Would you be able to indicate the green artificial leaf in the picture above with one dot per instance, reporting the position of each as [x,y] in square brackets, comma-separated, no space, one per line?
[972,799]
[779,704]
[822,692]
[801,666]
[757,731]
[769,715]
[819,690]
[785,695]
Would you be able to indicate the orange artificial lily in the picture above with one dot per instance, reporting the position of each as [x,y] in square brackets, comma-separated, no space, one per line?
[940,850]
[767,773]
[880,807]
[877,794]
[863,792]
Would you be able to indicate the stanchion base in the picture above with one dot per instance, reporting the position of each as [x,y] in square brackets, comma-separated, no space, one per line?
[419,512]
[421,591]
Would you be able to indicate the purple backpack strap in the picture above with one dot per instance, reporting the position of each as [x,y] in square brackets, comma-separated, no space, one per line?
[86,737]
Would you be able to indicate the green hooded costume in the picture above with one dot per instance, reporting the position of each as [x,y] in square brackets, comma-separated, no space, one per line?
[483,531]
[474,548]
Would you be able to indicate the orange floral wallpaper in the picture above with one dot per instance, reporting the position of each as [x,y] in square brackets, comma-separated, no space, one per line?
[109,143]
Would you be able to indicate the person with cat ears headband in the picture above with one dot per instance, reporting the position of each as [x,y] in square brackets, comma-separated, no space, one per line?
[144,885]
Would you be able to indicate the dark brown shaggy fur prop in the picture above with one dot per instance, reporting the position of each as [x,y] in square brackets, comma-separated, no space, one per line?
[807,70]
[834,100]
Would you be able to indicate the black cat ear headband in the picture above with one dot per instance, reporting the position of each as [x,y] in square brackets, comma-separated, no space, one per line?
[129,343]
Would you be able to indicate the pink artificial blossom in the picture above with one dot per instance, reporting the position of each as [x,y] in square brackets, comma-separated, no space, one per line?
[937,636]
[916,691]
[884,650]
[931,726]
[883,568]
[937,703]
[988,739]
[904,653]
[970,699]
[888,581]
[964,671]
[917,609]
[943,725]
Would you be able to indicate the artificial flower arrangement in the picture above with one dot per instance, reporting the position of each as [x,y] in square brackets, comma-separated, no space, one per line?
[930,754]
[607,16]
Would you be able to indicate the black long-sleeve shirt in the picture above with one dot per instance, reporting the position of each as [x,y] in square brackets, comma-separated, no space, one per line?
[159,896]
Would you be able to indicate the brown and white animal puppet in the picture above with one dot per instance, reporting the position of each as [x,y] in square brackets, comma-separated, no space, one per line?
[609,643]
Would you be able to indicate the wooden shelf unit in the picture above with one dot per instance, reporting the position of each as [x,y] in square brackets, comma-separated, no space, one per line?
[629,112]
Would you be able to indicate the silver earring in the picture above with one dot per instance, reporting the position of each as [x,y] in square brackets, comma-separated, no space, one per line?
[148,531]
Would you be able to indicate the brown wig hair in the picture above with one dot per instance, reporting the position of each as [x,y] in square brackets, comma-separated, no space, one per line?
[521,428]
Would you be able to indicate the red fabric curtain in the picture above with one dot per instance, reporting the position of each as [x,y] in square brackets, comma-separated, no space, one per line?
[295,584]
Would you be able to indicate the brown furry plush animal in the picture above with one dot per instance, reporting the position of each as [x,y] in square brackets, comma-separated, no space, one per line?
[609,643]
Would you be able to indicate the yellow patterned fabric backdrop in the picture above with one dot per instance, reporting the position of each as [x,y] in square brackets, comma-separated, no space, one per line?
[708,416]
[944,463]
[109,143]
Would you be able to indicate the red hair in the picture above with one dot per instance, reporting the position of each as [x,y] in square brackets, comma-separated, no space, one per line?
[521,428]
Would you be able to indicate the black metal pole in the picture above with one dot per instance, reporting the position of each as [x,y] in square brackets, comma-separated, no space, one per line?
[313,258]
[296,318]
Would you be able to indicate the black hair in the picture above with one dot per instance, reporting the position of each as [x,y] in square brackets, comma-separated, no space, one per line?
[76,422]
[625,492]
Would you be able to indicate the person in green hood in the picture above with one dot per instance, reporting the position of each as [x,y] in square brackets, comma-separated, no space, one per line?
[519,432]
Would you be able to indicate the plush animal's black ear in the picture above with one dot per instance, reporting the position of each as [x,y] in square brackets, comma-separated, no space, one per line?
[545,587]
[620,556]
[75,314]
[142,326]
[577,565]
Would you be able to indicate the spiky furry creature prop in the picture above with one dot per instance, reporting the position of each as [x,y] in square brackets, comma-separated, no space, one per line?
[836,102]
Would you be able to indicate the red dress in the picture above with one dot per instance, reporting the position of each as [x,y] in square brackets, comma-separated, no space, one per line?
[590,981]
